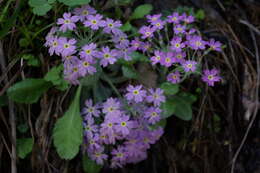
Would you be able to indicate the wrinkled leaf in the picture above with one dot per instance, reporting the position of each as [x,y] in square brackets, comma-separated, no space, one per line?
[28,91]
[55,76]
[90,166]
[168,108]
[24,147]
[182,108]
[74,2]
[141,11]
[169,88]
[68,130]
[130,72]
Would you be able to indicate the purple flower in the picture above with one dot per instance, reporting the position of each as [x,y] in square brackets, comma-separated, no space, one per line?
[69,60]
[67,22]
[124,52]
[124,125]
[174,18]
[211,76]
[187,19]
[215,45]
[90,127]
[174,77]
[153,18]
[189,66]
[156,96]
[135,93]
[177,45]
[179,57]
[157,57]
[179,29]
[146,31]
[196,42]
[85,67]
[53,43]
[111,106]
[121,39]
[94,22]
[135,44]
[93,142]
[108,129]
[153,115]
[168,59]
[71,73]
[88,51]
[119,156]
[98,155]
[107,56]
[90,109]
[145,46]
[83,12]
[157,25]
[112,26]
[66,47]
[157,133]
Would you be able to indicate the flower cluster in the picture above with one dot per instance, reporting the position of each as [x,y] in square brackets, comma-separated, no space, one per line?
[86,40]
[174,43]
[119,131]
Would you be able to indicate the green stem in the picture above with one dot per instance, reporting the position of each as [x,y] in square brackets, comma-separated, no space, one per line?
[110,83]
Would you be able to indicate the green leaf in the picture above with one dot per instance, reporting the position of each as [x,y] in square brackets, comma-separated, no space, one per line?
[162,123]
[90,166]
[22,128]
[169,88]
[40,7]
[129,72]
[24,147]
[31,60]
[141,11]
[101,92]
[42,10]
[23,42]
[126,27]
[74,2]
[3,100]
[28,91]
[168,108]
[68,130]
[55,76]
[182,108]
[91,80]
[200,14]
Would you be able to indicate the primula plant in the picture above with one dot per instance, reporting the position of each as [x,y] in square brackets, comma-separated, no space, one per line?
[119,123]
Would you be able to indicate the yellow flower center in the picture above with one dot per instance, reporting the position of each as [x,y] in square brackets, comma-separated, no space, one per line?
[174,76]
[110,109]
[147,33]
[177,45]
[119,154]
[85,64]
[168,59]
[106,55]
[154,114]
[110,125]
[135,92]
[90,110]
[189,65]
[158,24]
[85,12]
[174,18]
[198,43]
[94,22]
[66,46]
[55,43]
[67,21]
[110,25]
[123,124]
[88,51]
[210,77]
[158,57]
[75,69]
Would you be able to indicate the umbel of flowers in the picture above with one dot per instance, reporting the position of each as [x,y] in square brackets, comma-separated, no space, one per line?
[120,130]
[85,39]
[173,43]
